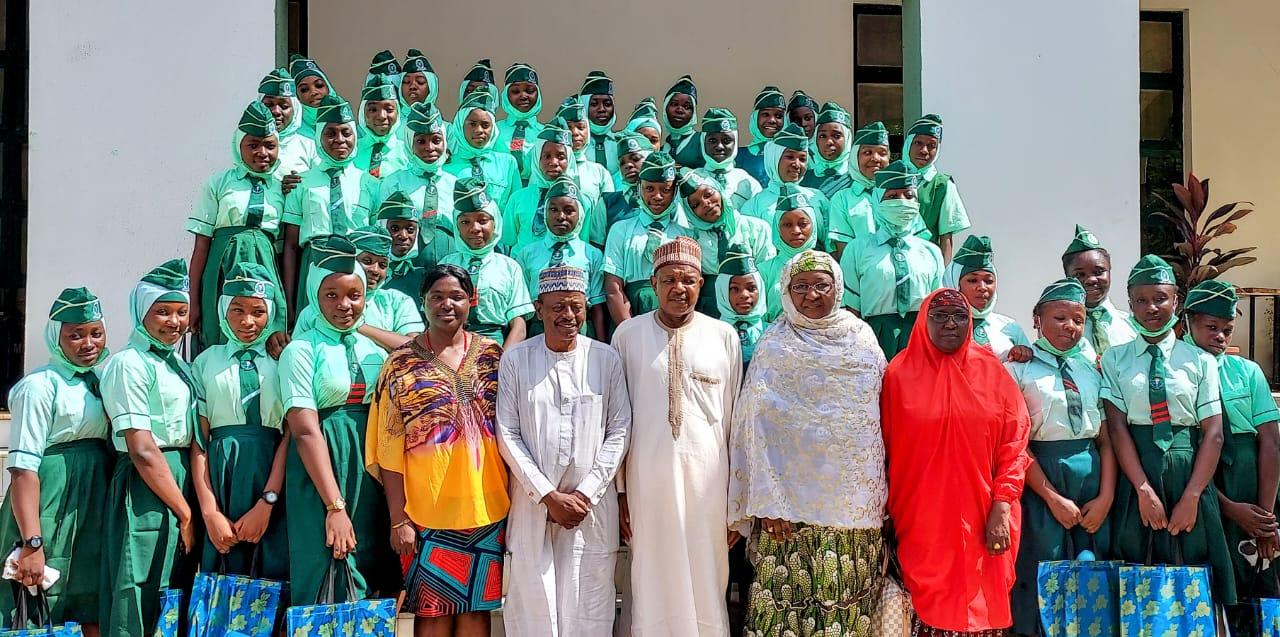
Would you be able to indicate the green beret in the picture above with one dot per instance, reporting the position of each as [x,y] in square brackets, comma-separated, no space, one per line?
[76,305]
[833,113]
[469,195]
[572,110]
[556,132]
[257,121]
[737,261]
[248,279]
[334,110]
[424,118]
[481,71]
[801,99]
[632,142]
[372,239]
[645,108]
[384,63]
[975,255]
[691,181]
[1067,289]
[416,62]
[379,87]
[930,125]
[1212,297]
[478,99]
[685,86]
[520,72]
[397,207]
[170,275]
[333,252]
[301,68]
[278,83]
[770,97]
[792,197]
[897,175]
[873,134]
[791,136]
[1151,270]
[659,166]
[1084,241]
[563,186]
[719,120]
[597,83]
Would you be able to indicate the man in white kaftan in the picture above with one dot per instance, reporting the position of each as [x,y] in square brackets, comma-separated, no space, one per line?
[683,371]
[563,421]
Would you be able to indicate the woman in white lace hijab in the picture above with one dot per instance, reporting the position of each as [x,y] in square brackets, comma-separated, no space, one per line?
[807,481]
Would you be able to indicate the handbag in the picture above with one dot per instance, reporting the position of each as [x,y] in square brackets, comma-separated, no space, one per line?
[327,617]
[169,621]
[34,610]
[1165,600]
[222,604]
[1268,610]
[895,614]
[1079,597]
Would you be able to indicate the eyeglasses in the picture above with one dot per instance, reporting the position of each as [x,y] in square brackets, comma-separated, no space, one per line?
[804,288]
[943,318]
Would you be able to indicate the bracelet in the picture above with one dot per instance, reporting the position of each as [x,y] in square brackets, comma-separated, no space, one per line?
[404,522]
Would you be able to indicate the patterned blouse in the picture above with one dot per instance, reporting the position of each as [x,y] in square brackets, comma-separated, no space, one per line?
[435,426]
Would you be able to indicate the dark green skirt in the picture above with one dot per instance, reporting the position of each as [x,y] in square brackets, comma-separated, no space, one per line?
[892,331]
[643,297]
[232,245]
[1237,479]
[375,569]
[142,548]
[1169,472]
[240,458]
[73,509]
[1074,470]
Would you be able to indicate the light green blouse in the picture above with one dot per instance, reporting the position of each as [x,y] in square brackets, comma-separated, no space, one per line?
[738,183]
[499,171]
[313,368]
[415,186]
[223,199]
[624,252]
[394,311]
[1041,385]
[49,406]
[1118,329]
[139,391]
[750,233]
[1191,381]
[535,257]
[307,206]
[500,286]
[216,373]
[869,280]
[518,217]
[1245,395]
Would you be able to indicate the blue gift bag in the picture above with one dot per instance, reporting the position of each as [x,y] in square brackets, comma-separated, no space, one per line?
[372,617]
[34,610]
[169,621]
[1269,617]
[1165,600]
[1079,598]
[233,603]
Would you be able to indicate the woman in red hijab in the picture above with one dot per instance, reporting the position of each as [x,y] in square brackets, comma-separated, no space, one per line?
[955,429]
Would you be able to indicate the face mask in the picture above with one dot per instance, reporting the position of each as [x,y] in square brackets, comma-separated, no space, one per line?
[1044,344]
[1173,320]
[899,212]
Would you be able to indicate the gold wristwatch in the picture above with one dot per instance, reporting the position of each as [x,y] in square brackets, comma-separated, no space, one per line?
[336,505]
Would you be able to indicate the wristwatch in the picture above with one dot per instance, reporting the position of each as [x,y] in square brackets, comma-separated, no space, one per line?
[34,542]
[270,497]
[336,505]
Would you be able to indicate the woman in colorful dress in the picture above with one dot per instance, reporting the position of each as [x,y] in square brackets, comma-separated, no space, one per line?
[1072,477]
[1164,415]
[237,463]
[150,399]
[973,272]
[60,464]
[768,116]
[474,152]
[816,543]
[431,442]
[955,429]
[336,510]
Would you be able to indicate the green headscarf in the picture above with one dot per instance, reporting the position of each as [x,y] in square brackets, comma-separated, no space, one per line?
[256,121]
[930,125]
[555,132]
[597,83]
[332,254]
[423,118]
[719,120]
[792,197]
[335,110]
[459,147]
[564,187]
[278,83]
[768,97]
[898,175]
[416,62]
[690,182]
[1212,297]
[166,283]
[398,207]
[469,196]
[378,88]
[302,68]
[384,63]
[372,239]
[832,113]
[74,306]
[645,115]
[481,71]
[791,137]
[659,166]
[249,280]
[873,134]
[521,72]
[737,261]
[683,86]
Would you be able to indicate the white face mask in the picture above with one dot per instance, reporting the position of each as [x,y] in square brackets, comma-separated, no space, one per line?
[898,213]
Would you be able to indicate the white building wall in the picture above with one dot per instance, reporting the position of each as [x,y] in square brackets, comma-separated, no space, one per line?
[1040,102]
[132,105]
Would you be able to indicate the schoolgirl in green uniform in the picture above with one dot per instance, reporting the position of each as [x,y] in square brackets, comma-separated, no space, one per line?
[719,154]
[740,299]
[552,154]
[474,152]
[644,120]
[973,272]
[941,208]
[786,158]
[593,178]
[1105,325]
[237,463]
[1164,414]
[852,209]
[832,144]
[409,257]
[236,219]
[60,463]
[679,116]
[424,180]
[150,398]
[336,510]
[792,233]
[632,149]
[419,83]
[521,103]
[502,302]
[381,150]
[561,244]
[1249,471]
[628,254]
[768,116]
[298,153]
[596,96]
[313,86]
[1072,477]
[711,219]
[802,111]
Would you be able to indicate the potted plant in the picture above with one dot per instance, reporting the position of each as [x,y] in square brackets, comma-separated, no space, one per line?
[1193,260]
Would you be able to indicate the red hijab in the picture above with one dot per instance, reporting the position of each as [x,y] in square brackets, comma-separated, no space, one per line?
[955,429]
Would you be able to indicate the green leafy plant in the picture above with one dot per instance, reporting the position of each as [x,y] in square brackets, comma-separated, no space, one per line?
[1193,260]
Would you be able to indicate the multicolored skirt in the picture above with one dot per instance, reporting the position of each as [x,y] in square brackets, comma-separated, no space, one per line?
[822,579]
[456,571]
